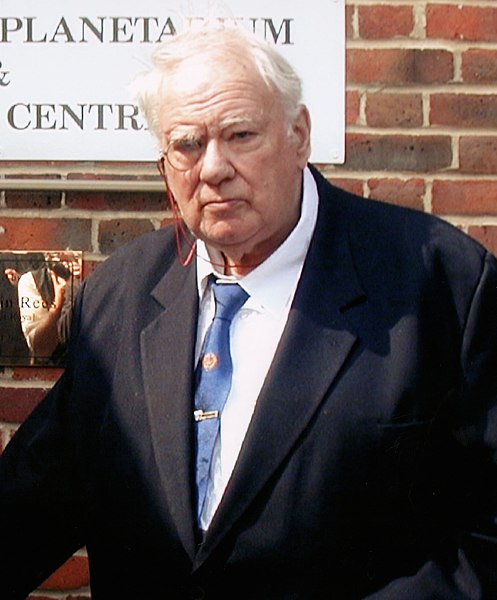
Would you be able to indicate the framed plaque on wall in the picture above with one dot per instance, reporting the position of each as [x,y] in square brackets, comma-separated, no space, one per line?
[37,291]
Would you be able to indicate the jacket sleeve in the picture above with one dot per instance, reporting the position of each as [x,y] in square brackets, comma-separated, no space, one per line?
[41,496]
[469,570]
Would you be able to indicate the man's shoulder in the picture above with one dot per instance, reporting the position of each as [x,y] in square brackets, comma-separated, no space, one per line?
[387,225]
[120,290]
[132,271]
[141,255]
[396,249]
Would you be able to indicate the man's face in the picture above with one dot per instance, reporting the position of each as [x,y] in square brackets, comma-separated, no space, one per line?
[12,275]
[242,197]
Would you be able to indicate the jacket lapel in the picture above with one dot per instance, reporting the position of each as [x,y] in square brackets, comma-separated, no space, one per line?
[314,346]
[168,386]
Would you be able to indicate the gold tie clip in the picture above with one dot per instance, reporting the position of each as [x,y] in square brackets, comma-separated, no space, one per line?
[200,415]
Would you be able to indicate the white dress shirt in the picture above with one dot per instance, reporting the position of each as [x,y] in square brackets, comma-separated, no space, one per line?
[254,335]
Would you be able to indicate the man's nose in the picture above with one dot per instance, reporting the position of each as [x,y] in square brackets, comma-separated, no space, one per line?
[215,163]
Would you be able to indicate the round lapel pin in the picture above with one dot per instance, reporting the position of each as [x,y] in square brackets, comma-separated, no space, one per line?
[209,361]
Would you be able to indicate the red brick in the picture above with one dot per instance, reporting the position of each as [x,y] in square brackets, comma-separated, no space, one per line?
[117,232]
[408,193]
[137,201]
[464,197]
[486,235]
[399,66]
[58,597]
[468,23]
[478,155]
[394,110]
[89,266]
[398,152]
[92,176]
[383,22]
[352,107]
[479,66]
[32,198]
[48,374]
[26,164]
[72,575]
[45,234]
[29,176]
[464,110]
[29,199]
[349,14]
[17,403]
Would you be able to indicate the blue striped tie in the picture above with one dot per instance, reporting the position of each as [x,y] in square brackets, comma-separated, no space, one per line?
[213,380]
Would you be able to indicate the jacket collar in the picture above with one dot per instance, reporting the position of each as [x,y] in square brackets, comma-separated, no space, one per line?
[167,346]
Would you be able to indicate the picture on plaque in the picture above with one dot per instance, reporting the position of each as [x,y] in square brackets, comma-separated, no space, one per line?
[37,291]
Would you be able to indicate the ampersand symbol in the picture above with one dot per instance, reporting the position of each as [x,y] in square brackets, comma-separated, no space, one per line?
[4,82]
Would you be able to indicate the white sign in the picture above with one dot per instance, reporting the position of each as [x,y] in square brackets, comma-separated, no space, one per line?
[66,69]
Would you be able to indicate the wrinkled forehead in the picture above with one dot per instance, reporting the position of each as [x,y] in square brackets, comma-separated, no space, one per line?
[214,88]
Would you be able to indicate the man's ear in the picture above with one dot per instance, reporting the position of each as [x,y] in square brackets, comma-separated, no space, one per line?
[301,130]
[161,167]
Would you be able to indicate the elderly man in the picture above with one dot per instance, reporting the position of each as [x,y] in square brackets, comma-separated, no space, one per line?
[291,394]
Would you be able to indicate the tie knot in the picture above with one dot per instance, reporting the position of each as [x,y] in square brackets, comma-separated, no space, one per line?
[230,297]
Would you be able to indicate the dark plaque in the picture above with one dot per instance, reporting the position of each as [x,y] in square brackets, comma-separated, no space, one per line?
[37,291]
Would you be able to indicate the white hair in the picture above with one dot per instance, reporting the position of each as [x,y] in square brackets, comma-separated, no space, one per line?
[274,69]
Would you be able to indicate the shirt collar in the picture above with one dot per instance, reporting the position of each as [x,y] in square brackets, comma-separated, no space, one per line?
[272,284]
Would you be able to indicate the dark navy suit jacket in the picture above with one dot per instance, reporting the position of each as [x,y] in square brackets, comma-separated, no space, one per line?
[369,467]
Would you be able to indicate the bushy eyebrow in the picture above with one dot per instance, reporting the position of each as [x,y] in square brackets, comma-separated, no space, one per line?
[185,131]
[182,132]
[240,120]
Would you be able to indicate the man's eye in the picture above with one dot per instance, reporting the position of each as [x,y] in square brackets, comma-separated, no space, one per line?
[243,135]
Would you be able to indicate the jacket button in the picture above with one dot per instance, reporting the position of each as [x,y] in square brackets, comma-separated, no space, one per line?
[197,593]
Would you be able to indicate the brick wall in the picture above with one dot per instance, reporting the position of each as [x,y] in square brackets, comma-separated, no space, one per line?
[421,131]
[422,108]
